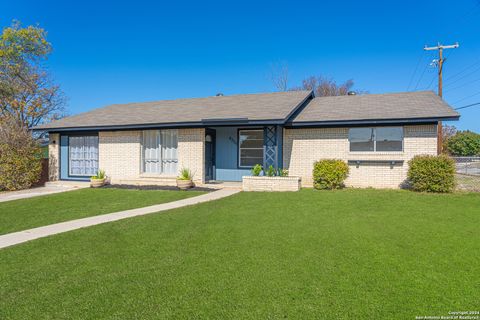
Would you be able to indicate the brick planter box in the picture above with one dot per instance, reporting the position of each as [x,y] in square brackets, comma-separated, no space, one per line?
[271,183]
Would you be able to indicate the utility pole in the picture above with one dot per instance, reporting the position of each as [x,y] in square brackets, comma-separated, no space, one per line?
[439,64]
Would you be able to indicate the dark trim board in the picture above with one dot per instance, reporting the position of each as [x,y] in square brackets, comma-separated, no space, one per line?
[368,122]
[166,126]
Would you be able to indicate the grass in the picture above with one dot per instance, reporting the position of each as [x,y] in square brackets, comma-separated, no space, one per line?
[352,254]
[24,214]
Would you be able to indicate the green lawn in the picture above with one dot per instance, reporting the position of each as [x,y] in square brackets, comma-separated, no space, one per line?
[352,254]
[24,214]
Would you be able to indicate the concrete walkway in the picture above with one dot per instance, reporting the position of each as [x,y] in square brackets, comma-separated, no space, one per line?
[14,238]
[35,192]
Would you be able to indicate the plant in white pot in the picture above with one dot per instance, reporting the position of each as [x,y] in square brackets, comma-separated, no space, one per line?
[184,180]
[98,180]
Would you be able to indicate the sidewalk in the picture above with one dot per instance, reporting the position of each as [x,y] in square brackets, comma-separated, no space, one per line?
[14,238]
[35,192]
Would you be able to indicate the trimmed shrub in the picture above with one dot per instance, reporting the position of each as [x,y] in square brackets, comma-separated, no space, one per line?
[329,174]
[20,157]
[432,173]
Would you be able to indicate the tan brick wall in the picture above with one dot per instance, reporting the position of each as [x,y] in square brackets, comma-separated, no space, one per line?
[302,147]
[191,152]
[271,183]
[120,154]
[54,157]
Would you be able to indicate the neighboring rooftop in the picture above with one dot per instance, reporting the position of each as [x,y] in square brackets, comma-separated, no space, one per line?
[368,107]
[240,108]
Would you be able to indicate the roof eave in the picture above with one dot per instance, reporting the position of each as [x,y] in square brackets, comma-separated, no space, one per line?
[370,121]
[207,123]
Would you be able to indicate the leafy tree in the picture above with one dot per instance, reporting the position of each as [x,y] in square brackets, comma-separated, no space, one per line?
[447,133]
[27,93]
[324,87]
[464,143]
[320,85]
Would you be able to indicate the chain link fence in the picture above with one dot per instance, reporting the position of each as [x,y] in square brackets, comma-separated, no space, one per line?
[468,173]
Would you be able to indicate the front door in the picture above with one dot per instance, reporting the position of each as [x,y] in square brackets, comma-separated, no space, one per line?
[209,154]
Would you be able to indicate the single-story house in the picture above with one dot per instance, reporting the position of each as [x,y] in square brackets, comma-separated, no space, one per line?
[222,137]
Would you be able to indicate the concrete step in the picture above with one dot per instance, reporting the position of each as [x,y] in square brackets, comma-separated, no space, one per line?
[68,184]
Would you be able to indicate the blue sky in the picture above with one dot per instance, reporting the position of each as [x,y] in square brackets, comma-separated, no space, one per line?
[118,52]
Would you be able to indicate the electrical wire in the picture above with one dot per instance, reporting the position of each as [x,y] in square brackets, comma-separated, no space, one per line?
[462,71]
[467,97]
[421,76]
[468,106]
[465,76]
[463,85]
[415,71]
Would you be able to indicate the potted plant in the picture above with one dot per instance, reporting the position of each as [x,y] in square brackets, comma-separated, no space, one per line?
[98,180]
[184,180]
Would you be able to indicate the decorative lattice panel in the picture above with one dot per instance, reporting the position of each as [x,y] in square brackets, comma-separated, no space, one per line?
[270,138]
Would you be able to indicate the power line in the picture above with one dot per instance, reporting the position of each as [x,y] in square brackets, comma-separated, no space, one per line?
[431,82]
[463,85]
[467,97]
[462,71]
[415,71]
[421,77]
[468,106]
[465,76]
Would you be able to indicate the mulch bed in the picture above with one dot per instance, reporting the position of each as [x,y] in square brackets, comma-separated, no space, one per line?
[154,187]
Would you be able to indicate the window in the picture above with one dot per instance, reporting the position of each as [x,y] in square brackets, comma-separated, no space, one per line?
[250,148]
[160,151]
[382,139]
[389,139]
[83,155]
[361,139]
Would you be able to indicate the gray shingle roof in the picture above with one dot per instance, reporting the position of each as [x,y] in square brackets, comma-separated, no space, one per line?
[268,107]
[391,106]
[251,107]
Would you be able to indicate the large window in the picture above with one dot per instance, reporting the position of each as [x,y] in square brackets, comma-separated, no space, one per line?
[250,148]
[160,151]
[83,155]
[379,139]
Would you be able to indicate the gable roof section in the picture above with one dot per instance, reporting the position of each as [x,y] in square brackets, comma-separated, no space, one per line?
[274,108]
[375,108]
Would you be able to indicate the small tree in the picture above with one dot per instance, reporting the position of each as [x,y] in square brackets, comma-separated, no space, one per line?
[20,156]
[464,143]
